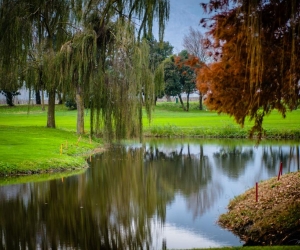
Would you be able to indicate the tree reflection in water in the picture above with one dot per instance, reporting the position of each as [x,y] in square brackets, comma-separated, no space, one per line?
[115,203]
[109,207]
[233,159]
[187,173]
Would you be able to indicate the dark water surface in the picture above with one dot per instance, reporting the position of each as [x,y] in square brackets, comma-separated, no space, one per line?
[162,193]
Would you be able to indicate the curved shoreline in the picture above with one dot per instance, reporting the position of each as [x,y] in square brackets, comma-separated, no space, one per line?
[81,164]
[272,220]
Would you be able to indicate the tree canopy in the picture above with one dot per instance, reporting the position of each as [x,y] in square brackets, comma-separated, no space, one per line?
[159,51]
[179,77]
[256,47]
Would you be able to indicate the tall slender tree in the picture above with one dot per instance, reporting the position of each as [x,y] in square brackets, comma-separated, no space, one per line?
[113,22]
[195,43]
[187,77]
[172,78]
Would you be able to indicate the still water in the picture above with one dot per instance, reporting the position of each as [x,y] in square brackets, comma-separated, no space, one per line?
[155,195]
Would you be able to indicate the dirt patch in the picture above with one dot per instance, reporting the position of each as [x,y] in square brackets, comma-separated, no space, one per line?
[274,219]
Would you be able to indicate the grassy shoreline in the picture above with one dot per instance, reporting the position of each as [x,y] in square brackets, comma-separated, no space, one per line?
[169,120]
[33,149]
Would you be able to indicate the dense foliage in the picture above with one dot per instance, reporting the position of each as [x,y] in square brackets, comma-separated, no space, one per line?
[255,45]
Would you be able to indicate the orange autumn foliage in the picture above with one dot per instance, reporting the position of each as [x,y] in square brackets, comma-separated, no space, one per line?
[255,69]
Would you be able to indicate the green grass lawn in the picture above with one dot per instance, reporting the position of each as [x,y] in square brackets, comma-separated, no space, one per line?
[170,119]
[27,146]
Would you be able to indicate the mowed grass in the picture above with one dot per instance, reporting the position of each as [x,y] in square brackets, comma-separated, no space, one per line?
[171,120]
[23,115]
[27,146]
[37,149]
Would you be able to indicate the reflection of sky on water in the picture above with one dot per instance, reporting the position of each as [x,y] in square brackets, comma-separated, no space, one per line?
[187,228]
[199,232]
[183,238]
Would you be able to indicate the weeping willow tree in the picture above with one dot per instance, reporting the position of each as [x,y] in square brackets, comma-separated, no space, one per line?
[108,65]
[51,22]
[15,40]
[77,60]
[256,45]
[116,94]
[32,31]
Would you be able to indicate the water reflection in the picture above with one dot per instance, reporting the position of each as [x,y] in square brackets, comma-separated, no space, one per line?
[233,159]
[140,197]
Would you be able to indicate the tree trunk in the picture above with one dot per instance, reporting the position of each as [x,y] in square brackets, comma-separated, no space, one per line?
[51,110]
[200,101]
[182,104]
[188,102]
[80,110]
[37,97]
[60,100]
[41,86]
[43,101]
[9,99]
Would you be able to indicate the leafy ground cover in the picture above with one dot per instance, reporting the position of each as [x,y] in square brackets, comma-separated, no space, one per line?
[274,219]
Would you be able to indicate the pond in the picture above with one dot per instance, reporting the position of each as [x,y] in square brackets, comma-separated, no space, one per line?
[152,195]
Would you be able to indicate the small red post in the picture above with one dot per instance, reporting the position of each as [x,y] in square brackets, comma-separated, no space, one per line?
[280,171]
[256,192]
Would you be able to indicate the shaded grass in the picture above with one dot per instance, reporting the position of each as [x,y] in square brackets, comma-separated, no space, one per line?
[23,115]
[168,120]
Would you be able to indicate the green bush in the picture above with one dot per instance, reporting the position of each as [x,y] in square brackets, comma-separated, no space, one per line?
[71,104]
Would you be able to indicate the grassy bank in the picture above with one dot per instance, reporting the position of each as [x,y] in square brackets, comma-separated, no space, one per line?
[27,146]
[170,120]
[34,149]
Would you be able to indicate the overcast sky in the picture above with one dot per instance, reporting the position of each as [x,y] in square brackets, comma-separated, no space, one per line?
[183,14]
